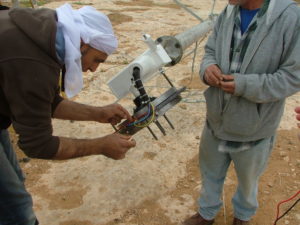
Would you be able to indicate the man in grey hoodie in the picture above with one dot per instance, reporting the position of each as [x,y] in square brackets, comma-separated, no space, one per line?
[251,64]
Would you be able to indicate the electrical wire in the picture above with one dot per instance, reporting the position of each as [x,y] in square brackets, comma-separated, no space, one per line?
[150,114]
[150,121]
[213,7]
[287,210]
[194,57]
[143,118]
[279,217]
[188,10]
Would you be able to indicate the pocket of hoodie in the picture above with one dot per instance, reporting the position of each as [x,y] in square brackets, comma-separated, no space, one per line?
[213,106]
[241,117]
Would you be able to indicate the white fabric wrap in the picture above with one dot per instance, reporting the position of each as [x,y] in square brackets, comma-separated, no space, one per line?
[90,26]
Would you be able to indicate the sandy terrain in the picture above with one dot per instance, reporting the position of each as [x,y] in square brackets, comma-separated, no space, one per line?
[158,182]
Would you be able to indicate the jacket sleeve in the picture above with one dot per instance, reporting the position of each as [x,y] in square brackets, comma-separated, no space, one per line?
[31,88]
[209,57]
[285,81]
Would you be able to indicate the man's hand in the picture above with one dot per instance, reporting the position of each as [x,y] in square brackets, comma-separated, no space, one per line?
[75,111]
[116,145]
[227,84]
[213,75]
[113,114]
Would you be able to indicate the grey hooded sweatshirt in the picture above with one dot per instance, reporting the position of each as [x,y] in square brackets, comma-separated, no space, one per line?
[270,72]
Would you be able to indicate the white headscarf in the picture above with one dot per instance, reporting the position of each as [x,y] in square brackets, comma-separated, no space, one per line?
[90,26]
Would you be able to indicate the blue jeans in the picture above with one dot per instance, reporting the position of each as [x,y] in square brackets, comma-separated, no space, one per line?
[15,201]
[249,165]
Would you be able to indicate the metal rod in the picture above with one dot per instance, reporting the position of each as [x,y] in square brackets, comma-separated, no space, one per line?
[166,77]
[169,122]
[160,127]
[152,133]
[193,34]
[114,128]
[188,10]
[213,7]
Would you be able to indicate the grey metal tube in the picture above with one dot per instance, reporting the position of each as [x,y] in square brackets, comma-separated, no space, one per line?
[193,34]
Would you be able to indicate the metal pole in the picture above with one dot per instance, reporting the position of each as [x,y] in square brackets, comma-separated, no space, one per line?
[152,133]
[176,45]
[160,127]
[193,34]
[188,10]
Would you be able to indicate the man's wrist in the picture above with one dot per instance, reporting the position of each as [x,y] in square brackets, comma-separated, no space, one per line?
[204,80]
[73,148]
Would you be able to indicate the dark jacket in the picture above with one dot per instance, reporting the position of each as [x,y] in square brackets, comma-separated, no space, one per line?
[29,77]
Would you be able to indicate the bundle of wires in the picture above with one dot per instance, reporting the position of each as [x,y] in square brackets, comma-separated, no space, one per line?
[145,120]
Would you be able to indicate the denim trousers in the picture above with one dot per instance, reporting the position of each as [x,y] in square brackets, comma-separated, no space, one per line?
[15,201]
[248,164]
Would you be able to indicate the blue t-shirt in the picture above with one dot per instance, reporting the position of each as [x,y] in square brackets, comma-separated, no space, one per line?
[246,17]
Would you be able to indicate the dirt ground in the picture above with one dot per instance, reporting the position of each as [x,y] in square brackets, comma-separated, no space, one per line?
[158,182]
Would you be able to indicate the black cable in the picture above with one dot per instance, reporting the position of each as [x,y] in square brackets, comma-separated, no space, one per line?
[286,211]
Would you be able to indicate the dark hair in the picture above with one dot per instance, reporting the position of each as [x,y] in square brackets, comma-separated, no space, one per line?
[3,7]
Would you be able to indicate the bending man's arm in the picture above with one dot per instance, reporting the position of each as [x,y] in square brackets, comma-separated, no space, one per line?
[68,110]
[113,146]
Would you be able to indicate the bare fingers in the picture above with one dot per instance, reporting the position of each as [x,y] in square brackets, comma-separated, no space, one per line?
[228,87]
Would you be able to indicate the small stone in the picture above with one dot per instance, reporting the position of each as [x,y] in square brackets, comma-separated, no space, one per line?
[183,106]
[270,184]
[145,211]
[286,158]
[197,137]
[26,166]
[117,220]
[24,160]
[282,153]
[191,180]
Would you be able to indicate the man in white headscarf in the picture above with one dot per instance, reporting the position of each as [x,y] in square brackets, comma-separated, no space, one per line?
[36,44]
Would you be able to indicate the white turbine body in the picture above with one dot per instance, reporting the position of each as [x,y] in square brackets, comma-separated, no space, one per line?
[149,63]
